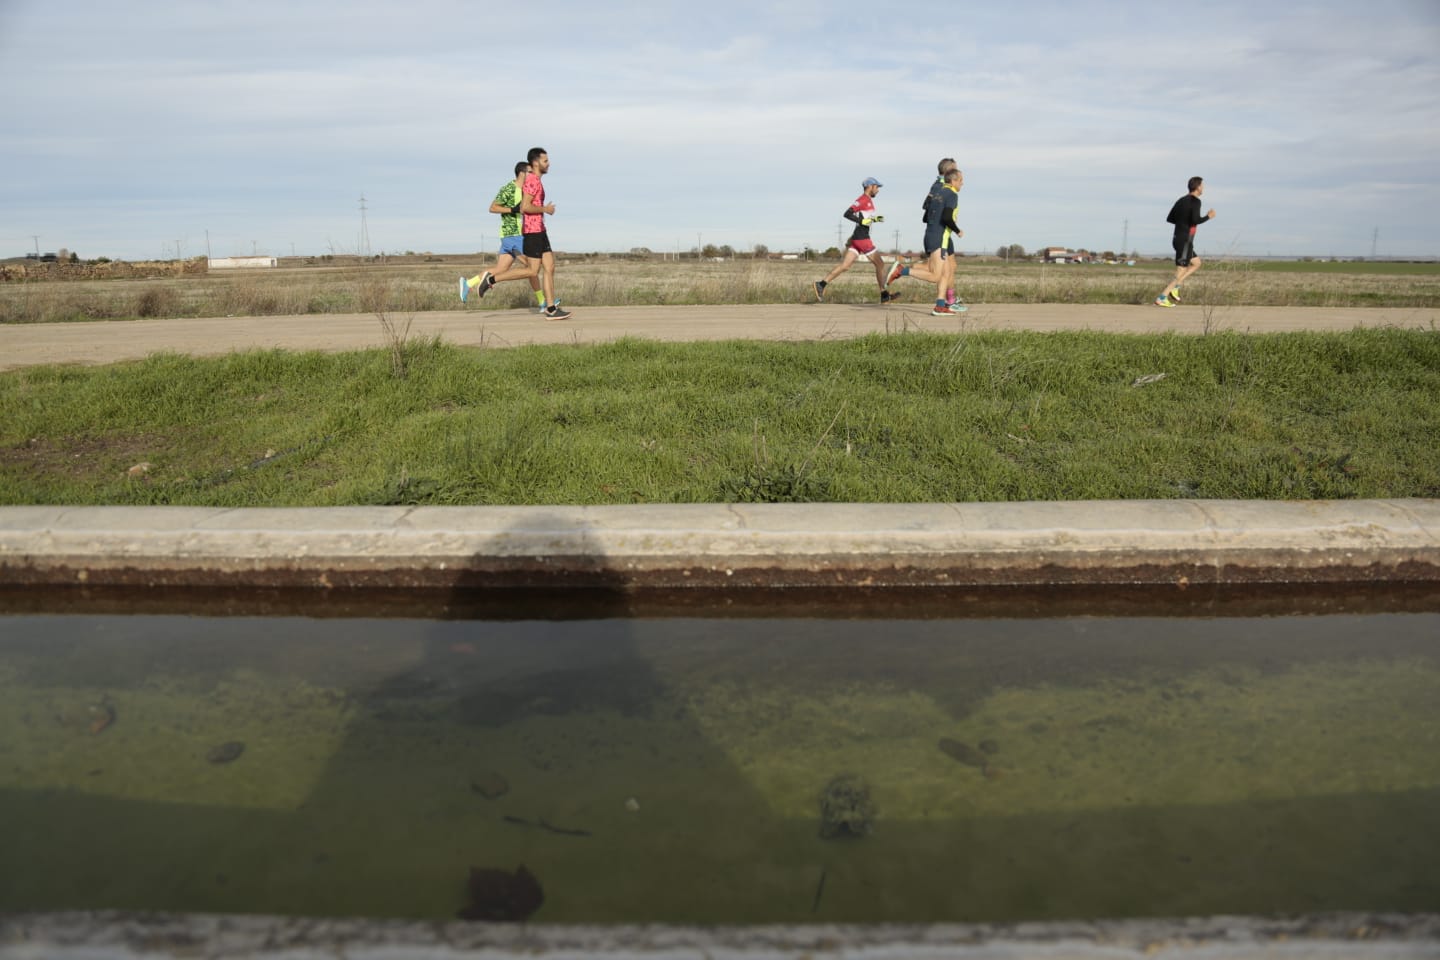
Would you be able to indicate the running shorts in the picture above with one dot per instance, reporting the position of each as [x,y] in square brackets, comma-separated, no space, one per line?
[936,238]
[1184,250]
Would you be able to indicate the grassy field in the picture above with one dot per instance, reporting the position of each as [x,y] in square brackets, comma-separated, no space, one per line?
[892,418]
[599,281]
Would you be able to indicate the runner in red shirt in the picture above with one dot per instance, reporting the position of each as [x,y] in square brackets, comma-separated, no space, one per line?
[862,214]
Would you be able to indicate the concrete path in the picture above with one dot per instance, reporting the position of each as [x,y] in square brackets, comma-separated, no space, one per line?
[23,345]
[1179,542]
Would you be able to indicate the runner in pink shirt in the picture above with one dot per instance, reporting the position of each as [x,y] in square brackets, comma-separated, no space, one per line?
[535,239]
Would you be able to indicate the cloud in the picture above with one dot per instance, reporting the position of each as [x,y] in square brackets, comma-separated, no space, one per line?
[743,122]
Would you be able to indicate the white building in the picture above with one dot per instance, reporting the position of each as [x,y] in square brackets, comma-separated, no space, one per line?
[242,263]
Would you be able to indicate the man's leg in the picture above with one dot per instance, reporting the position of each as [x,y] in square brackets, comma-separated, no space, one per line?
[953,299]
[942,268]
[524,269]
[1169,296]
[880,270]
[1188,272]
[534,281]
[501,262]
[547,260]
[932,272]
[846,262]
[1186,263]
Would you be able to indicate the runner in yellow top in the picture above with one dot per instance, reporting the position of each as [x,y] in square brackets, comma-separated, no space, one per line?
[535,239]
[507,204]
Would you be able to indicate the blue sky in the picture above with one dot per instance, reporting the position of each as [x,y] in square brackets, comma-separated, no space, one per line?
[133,128]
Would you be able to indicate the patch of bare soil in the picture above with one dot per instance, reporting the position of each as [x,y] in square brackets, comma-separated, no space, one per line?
[80,457]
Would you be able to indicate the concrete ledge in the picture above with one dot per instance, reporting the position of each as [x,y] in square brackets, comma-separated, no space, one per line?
[122,935]
[748,545]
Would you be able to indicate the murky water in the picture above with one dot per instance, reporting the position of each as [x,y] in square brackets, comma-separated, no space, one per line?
[674,767]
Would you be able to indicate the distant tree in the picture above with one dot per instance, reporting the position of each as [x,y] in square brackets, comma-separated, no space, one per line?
[1108,255]
[727,251]
[639,251]
[710,251]
[761,251]
[809,252]
[832,252]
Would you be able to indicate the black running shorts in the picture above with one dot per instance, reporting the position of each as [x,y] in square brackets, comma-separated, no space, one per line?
[536,244]
[935,239]
[1184,250]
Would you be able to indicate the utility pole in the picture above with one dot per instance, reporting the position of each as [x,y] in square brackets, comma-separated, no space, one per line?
[1124,239]
[207,244]
[36,238]
[364,230]
[1374,241]
[897,242]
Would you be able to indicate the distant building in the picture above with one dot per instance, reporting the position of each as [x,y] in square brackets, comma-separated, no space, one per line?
[1055,254]
[242,263]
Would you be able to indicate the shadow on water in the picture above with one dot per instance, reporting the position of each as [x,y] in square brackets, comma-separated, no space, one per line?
[647,760]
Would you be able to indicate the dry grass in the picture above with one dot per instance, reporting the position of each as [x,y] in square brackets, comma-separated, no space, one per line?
[603,281]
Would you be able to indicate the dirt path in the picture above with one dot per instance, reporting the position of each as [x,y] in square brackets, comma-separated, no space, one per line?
[24,345]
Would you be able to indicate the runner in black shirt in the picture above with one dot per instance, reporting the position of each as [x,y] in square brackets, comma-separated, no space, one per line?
[1185,215]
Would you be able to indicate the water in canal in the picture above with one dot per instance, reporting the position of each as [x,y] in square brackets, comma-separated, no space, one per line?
[920,757]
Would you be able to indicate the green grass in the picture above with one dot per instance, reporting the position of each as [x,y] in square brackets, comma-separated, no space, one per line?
[895,418]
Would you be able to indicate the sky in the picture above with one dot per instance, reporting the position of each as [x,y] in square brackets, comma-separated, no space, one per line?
[145,129]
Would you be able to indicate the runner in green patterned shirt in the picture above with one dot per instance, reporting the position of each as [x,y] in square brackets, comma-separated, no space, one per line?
[507,204]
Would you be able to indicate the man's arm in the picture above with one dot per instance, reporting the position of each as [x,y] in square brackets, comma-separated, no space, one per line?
[527,205]
[947,218]
[498,206]
[1192,213]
